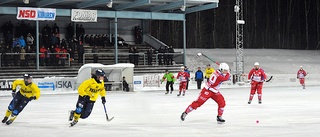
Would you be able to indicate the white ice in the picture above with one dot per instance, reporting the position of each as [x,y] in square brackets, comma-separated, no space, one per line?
[284,112]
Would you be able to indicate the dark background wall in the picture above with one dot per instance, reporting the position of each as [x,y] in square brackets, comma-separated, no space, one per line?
[279,24]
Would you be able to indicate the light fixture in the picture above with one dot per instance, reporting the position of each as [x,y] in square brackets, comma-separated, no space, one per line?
[236,8]
[109,4]
[25,1]
[183,8]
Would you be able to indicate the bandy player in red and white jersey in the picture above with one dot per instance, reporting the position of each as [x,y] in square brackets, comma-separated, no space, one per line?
[182,77]
[301,76]
[257,77]
[212,90]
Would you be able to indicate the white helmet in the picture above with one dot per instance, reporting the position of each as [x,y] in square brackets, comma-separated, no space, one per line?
[223,66]
[182,67]
[256,64]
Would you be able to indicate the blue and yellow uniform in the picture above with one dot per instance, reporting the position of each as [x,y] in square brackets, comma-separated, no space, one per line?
[28,91]
[92,89]
[89,91]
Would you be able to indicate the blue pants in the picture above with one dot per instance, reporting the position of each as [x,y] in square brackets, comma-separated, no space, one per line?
[18,103]
[86,110]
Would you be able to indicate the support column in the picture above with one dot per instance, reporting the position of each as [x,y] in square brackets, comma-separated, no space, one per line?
[37,44]
[184,43]
[116,37]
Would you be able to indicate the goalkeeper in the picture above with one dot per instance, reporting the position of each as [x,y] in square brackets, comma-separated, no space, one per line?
[170,80]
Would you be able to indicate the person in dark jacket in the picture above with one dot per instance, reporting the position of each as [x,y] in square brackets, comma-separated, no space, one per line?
[149,54]
[199,77]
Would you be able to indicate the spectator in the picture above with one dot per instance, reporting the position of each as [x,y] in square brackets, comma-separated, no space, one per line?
[63,56]
[42,55]
[199,77]
[188,78]
[125,84]
[70,32]
[56,30]
[22,57]
[136,56]
[170,56]
[160,55]
[63,43]
[165,56]
[150,54]
[22,42]
[80,53]
[52,56]
[95,56]
[131,56]
[57,50]
[30,40]
[47,57]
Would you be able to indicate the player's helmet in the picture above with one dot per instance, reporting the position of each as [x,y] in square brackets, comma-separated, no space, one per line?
[256,64]
[223,66]
[26,77]
[99,72]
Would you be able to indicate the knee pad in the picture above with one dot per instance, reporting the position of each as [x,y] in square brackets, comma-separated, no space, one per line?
[15,112]
[78,110]
[11,107]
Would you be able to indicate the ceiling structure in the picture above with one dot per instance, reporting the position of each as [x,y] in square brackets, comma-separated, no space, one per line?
[158,6]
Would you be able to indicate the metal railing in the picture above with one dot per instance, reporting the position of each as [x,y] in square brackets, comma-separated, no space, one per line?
[68,55]
[144,55]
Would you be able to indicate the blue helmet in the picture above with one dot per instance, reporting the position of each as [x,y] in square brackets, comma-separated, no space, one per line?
[26,77]
[100,72]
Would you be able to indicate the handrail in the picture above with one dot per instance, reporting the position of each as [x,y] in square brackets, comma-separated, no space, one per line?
[35,55]
[126,54]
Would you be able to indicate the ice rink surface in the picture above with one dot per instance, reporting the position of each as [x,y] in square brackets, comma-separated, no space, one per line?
[284,112]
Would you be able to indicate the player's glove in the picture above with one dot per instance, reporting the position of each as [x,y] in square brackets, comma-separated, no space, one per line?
[32,98]
[103,100]
[13,93]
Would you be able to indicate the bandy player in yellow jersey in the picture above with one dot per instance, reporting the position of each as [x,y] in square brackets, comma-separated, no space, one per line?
[88,91]
[28,91]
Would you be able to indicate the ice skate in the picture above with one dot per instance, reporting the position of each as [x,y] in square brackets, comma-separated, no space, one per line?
[74,122]
[71,113]
[220,120]
[183,94]
[171,92]
[304,87]
[4,120]
[179,94]
[166,92]
[249,102]
[183,116]
[260,101]
[11,120]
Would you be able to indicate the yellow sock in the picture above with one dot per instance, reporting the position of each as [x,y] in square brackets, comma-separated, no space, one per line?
[76,116]
[8,113]
[13,118]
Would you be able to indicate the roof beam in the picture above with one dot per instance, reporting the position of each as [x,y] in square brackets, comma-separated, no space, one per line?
[132,4]
[43,3]
[92,3]
[6,1]
[171,5]
[201,8]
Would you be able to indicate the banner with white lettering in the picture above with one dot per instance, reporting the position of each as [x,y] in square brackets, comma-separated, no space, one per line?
[78,15]
[26,13]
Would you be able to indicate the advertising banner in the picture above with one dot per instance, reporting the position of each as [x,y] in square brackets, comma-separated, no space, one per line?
[26,13]
[78,15]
